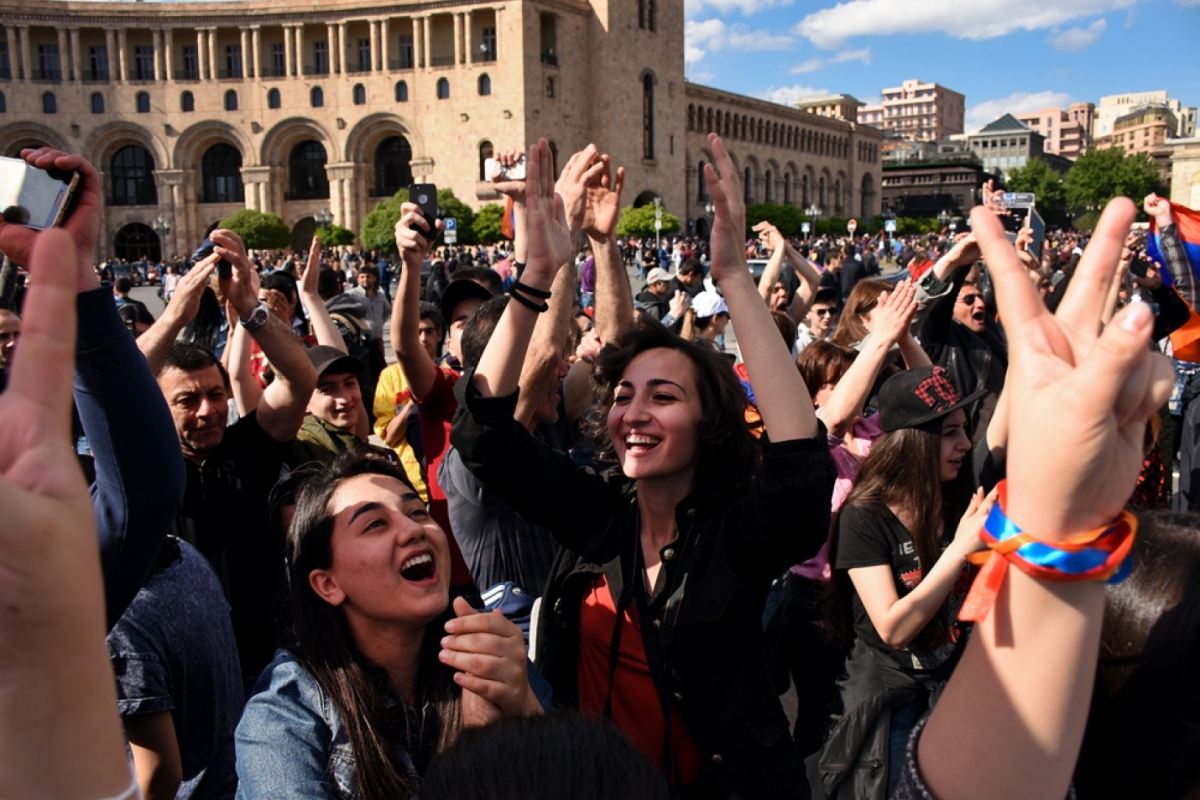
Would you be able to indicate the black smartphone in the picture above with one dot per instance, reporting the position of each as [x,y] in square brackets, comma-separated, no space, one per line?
[224,268]
[35,198]
[425,196]
[1139,266]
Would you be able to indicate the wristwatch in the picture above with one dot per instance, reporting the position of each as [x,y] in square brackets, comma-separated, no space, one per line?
[258,317]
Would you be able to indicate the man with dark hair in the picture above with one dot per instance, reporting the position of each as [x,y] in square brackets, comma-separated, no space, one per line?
[484,276]
[231,470]
[853,270]
[378,305]
[818,324]
[690,278]
[334,421]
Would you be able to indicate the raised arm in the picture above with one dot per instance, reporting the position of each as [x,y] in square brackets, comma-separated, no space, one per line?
[246,391]
[846,402]
[1011,720]
[1172,250]
[156,342]
[322,324]
[783,401]
[614,296]
[282,406]
[546,345]
[810,282]
[406,311]
[774,240]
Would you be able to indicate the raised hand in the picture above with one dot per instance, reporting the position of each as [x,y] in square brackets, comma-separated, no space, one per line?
[1089,393]
[549,236]
[680,303]
[1159,208]
[82,222]
[894,312]
[412,245]
[489,653]
[312,270]
[582,170]
[241,287]
[504,186]
[769,234]
[604,202]
[727,240]
[186,300]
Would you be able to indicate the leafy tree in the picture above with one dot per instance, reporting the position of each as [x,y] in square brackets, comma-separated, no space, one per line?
[1039,177]
[378,231]
[487,223]
[453,208]
[260,231]
[335,235]
[786,218]
[1100,175]
[640,222]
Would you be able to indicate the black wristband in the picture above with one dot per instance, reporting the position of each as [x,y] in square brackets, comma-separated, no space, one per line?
[529,290]
[525,301]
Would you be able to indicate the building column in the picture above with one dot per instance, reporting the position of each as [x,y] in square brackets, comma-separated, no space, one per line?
[76,60]
[341,31]
[289,51]
[458,48]
[169,53]
[298,31]
[156,39]
[427,35]
[26,59]
[374,44]
[332,32]
[256,49]
[468,46]
[14,66]
[348,210]
[201,51]
[418,42]
[245,53]
[213,74]
[177,226]
[335,199]
[64,62]
[264,196]
[384,56]
[123,72]
[496,18]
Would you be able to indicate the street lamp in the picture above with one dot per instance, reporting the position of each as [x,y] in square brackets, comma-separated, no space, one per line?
[323,217]
[658,223]
[813,211]
[944,217]
[162,226]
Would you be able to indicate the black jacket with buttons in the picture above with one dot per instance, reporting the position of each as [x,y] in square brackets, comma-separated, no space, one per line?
[711,638]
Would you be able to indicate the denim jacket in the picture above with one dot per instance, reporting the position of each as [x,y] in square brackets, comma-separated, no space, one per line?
[291,742]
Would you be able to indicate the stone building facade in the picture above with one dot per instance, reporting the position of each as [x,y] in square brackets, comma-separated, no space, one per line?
[192,111]
[916,110]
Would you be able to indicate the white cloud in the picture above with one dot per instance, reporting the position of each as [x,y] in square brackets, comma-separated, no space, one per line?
[976,20]
[701,37]
[814,64]
[789,94]
[1131,16]
[693,7]
[1073,40]
[1016,103]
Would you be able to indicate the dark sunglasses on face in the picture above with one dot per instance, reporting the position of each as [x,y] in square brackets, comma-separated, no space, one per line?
[969,299]
[825,312]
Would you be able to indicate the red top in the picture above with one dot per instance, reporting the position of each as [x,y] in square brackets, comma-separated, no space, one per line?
[635,704]
[437,412]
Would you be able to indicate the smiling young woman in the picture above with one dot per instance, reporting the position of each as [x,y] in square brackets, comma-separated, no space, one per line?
[652,615]
[370,690]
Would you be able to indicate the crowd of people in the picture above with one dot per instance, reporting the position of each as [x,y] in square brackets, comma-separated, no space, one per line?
[577,541]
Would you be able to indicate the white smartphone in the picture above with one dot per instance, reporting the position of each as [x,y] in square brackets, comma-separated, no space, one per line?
[492,168]
[35,198]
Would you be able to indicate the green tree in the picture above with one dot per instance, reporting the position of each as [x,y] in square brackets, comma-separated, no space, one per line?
[453,208]
[487,224]
[640,222]
[1100,175]
[1039,177]
[378,231]
[258,230]
[786,218]
[334,236]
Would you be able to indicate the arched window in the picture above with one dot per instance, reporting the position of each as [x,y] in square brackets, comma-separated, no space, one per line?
[49,104]
[318,97]
[550,86]
[231,100]
[274,100]
[401,92]
[143,103]
[702,185]
[554,159]
[97,103]
[691,123]
[837,196]
[187,102]
[393,170]
[821,193]
[648,117]
[3,103]
[485,85]
[652,16]
[136,241]
[767,186]
[787,189]
[222,169]
[306,171]
[485,152]
[641,13]
[748,189]
[804,190]
[360,94]
[443,89]
[132,174]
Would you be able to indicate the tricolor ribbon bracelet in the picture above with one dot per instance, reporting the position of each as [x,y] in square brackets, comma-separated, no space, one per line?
[1098,555]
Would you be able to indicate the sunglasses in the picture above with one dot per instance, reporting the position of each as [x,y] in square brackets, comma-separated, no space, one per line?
[824,312]
[969,299]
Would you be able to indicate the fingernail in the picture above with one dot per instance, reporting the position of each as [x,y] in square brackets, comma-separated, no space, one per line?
[445,641]
[1136,318]
[444,655]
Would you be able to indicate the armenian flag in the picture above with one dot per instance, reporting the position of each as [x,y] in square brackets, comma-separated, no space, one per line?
[1187,228]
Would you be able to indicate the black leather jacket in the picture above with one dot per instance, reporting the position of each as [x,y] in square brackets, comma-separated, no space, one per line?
[710,633]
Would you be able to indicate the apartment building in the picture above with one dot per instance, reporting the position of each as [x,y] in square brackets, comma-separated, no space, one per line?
[916,110]
[1067,132]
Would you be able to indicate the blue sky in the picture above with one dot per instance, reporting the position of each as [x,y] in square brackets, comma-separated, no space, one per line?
[1004,55]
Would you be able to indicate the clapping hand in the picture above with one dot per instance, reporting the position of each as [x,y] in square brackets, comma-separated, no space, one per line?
[488,652]
[604,202]
[581,172]
[894,312]
[549,237]
[185,302]
[727,238]
[241,287]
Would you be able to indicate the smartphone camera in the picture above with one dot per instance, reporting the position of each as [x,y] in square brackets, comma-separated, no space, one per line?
[224,268]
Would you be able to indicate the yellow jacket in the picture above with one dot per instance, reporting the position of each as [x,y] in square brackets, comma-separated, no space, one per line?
[391,383]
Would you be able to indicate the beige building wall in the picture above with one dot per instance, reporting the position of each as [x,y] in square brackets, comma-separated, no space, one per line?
[174,80]
[1185,172]
[916,110]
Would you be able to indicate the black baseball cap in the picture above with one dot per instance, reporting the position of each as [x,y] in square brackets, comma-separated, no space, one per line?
[329,359]
[918,397]
[459,290]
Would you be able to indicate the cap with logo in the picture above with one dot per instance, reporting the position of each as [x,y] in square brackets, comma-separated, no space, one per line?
[917,398]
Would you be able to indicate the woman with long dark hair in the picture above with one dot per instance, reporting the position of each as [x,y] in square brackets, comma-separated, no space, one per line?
[899,551]
[652,615]
[370,691]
